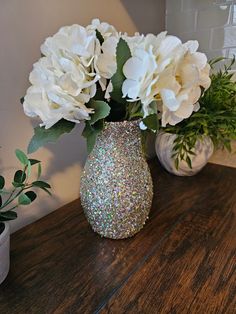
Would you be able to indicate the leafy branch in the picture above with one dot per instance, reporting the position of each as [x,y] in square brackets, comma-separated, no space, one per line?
[21,191]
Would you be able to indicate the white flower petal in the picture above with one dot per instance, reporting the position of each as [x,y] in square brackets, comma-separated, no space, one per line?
[134,68]
[169,99]
[131,89]
[191,45]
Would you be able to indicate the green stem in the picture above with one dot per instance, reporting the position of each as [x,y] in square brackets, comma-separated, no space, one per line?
[15,196]
[8,201]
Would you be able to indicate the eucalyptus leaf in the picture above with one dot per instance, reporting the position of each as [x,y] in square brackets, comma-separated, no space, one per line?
[47,191]
[29,169]
[91,132]
[19,176]
[21,157]
[31,195]
[41,184]
[7,215]
[23,199]
[18,185]
[43,136]
[39,171]
[122,55]
[151,122]
[101,110]
[34,161]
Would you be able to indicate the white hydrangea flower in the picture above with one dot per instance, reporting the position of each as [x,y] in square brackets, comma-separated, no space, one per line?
[162,68]
[64,79]
[149,58]
[188,74]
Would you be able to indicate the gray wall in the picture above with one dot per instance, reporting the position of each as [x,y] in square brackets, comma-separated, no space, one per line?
[213,24]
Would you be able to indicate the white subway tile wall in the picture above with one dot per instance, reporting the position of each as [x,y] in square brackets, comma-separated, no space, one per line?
[211,22]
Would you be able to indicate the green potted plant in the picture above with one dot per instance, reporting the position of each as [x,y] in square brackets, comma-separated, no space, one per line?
[21,194]
[185,148]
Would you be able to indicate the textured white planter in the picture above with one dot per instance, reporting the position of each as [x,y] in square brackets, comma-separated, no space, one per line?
[4,252]
[164,148]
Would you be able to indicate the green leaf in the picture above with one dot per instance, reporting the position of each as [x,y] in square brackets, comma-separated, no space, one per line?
[177,163]
[91,132]
[17,185]
[0,200]
[2,182]
[189,162]
[34,161]
[47,191]
[99,37]
[41,184]
[29,169]
[101,108]
[122,55]
[23,199]
[8,215]
[31,195]
[151,122]
[39,171]
[43,136]
[22,157]
[19,176]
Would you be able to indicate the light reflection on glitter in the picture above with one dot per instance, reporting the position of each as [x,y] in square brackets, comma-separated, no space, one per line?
[116,186]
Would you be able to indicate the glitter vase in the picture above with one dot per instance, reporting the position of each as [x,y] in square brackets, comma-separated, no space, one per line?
[116,186]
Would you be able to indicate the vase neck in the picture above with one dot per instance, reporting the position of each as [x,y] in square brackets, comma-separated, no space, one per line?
[117,134]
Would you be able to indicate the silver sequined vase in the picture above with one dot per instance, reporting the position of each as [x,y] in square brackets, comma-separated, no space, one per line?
[116,185]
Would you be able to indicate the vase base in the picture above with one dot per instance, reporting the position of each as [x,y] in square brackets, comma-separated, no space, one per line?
[119,234]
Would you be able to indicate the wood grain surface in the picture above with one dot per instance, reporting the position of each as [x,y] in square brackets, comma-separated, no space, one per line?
[183,261]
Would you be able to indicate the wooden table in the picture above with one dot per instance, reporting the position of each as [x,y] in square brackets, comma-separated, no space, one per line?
[183,261]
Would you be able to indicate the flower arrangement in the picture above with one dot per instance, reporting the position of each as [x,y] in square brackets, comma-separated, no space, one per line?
[216,117]
[96,74]
[21,191]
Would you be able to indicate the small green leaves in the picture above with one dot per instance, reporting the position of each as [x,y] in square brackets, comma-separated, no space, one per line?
[2,182]
[101,110]
[151,122]
[21,186]
[122,55]
[43,136]
[22,157]
[27,198]
[8,215]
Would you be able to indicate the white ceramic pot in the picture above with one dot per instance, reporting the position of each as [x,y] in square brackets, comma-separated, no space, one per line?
[4,252]
[164,148]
